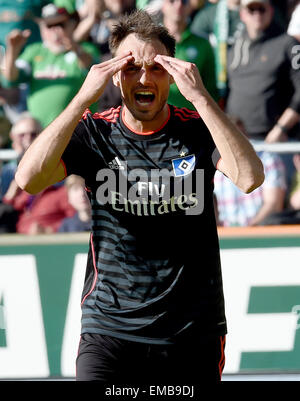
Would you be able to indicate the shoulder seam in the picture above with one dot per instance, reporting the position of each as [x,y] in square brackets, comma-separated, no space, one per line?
[110,115]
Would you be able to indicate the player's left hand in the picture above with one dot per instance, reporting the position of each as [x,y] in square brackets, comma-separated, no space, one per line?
[186,76]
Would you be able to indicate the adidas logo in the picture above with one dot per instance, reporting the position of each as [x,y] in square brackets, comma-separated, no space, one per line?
[116,164]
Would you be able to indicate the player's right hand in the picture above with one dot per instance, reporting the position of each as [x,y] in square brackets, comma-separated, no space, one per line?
[98,77]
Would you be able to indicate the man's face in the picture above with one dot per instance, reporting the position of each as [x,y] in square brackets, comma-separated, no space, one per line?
[144,84]
[77,197]
[55,33]
[257,16]
[176,10]
[23,134]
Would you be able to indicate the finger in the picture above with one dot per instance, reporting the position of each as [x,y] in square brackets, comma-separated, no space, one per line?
[111,67]
[170,68]
[116,59]
[175,65]
[26,33]
[116,67]
[170,60]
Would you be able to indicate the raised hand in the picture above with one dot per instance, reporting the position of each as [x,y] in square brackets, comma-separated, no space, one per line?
[16,39]
[186,76]
[99,76]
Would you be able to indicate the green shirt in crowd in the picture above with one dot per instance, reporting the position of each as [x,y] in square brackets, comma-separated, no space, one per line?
[53,79]
[197,50]
[205,20]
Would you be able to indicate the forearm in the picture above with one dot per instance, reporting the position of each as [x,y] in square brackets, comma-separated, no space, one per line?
[38,167]
[273,202]
[287,121]
[83,29]
[10,71]
[239,160]
[265,211]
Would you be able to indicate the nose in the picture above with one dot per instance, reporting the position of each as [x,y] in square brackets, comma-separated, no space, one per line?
[145,77]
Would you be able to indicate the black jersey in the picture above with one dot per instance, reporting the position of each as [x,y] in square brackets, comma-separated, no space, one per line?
[153,267]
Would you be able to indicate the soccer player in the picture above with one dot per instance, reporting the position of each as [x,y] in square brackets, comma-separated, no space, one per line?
[152,303]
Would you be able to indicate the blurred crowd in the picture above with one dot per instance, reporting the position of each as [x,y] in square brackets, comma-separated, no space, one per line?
[248,55]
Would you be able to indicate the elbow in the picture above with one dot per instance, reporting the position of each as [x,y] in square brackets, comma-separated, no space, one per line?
[255,180]
[254,184]
[25,184]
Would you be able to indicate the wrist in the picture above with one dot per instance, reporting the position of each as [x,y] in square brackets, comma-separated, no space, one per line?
[202,100]
[282,128]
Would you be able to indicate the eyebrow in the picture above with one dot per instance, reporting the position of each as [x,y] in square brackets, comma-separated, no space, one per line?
[139,63]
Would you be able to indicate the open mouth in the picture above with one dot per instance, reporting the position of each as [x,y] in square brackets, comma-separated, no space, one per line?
[144,97]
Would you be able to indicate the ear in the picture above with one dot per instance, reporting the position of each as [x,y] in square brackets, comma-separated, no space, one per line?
[171,80]
[116,80]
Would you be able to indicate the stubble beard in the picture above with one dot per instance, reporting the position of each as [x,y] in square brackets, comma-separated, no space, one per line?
[145,115]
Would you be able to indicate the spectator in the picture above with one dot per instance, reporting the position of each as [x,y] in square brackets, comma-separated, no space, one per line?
[98,19]
[41,213]
[16,14]
[54,68]
[196,6]
[189,47]
[69,5]
[90,12]
[22,134]
[294,198]
[264,88]
[220,22]
[235,208]
[81,221]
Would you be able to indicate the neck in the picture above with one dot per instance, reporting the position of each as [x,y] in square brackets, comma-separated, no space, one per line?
[144,126]
[56,49]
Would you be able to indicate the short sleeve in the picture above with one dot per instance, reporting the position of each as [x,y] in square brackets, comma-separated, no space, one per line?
[76,155]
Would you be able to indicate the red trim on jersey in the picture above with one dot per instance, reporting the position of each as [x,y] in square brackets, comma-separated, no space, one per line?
[222,359]
[65,169]
[85,113]
[185,114]
[149,132]
[95,271]
[110,115]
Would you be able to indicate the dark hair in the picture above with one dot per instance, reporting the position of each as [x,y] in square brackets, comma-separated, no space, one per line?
[141,24]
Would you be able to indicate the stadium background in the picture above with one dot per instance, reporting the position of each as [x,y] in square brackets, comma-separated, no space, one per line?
[41,279]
